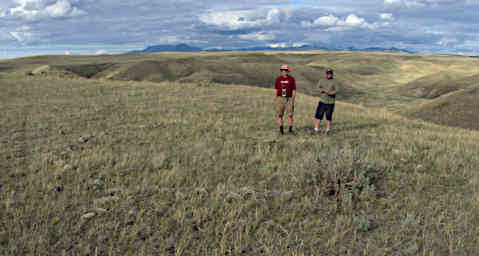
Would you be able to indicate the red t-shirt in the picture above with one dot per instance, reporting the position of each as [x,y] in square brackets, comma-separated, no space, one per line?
[285,82]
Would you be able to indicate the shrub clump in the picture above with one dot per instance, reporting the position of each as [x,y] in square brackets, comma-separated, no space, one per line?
[344,175]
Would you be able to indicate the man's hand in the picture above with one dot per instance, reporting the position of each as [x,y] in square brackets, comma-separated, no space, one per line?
[324,91]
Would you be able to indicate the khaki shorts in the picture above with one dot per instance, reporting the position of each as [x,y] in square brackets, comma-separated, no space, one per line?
[283,104]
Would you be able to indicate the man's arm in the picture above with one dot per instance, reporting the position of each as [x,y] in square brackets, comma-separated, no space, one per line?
[276,86]
[293,93]
[332,92]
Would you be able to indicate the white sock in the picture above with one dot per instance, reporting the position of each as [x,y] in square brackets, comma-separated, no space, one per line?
[316,129]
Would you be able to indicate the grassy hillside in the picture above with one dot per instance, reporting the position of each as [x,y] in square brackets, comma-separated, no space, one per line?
[437,85]
[96,167]
[457,109]
[256,69]
[402,83]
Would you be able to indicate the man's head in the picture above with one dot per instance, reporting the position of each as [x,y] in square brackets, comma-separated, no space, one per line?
[285,69]
[329,73]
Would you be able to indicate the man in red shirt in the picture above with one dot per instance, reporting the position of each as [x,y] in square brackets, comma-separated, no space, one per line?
[285,92]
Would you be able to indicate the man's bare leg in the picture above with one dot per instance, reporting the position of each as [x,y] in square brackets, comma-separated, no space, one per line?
[317,123]
[328,126]
[280,122]
[290,124]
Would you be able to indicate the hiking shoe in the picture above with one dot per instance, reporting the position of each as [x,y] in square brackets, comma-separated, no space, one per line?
[292,132]
[316,130]
[326,132]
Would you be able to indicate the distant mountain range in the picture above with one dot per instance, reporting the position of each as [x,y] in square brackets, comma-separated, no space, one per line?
[169,48]
[188,48]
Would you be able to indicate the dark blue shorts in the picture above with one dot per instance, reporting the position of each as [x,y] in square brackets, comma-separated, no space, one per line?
[322,109]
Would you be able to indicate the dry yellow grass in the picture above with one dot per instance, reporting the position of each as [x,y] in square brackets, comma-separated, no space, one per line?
[199,169]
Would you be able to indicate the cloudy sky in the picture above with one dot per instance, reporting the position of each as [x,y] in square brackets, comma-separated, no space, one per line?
[33,27]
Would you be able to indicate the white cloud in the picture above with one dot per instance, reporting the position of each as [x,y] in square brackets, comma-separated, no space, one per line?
[279,45]
[286,45]
[100,52]
[336,24]
[24,28]
[447,42]
[21,36]
[235,20]
[40,9]
[386,16]
[168,40]
[21,11]
[68,53]
[329,20]
[299,44]
[261,36]
[353,21]
[62,8]
[337,29]
[419,3]
[273,16]
[392,2]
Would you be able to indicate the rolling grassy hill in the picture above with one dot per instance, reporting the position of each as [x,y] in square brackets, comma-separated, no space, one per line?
[457,109]
[437,85]
[108,167]
[402,83]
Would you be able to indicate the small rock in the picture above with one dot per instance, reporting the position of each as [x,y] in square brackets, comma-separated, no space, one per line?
[99,184]
[106,200]
[67,167]
[89,215]
[133,211]
[100,210]
[55,188]
[83,139]
[70,148]
[99,181]
[233,195]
